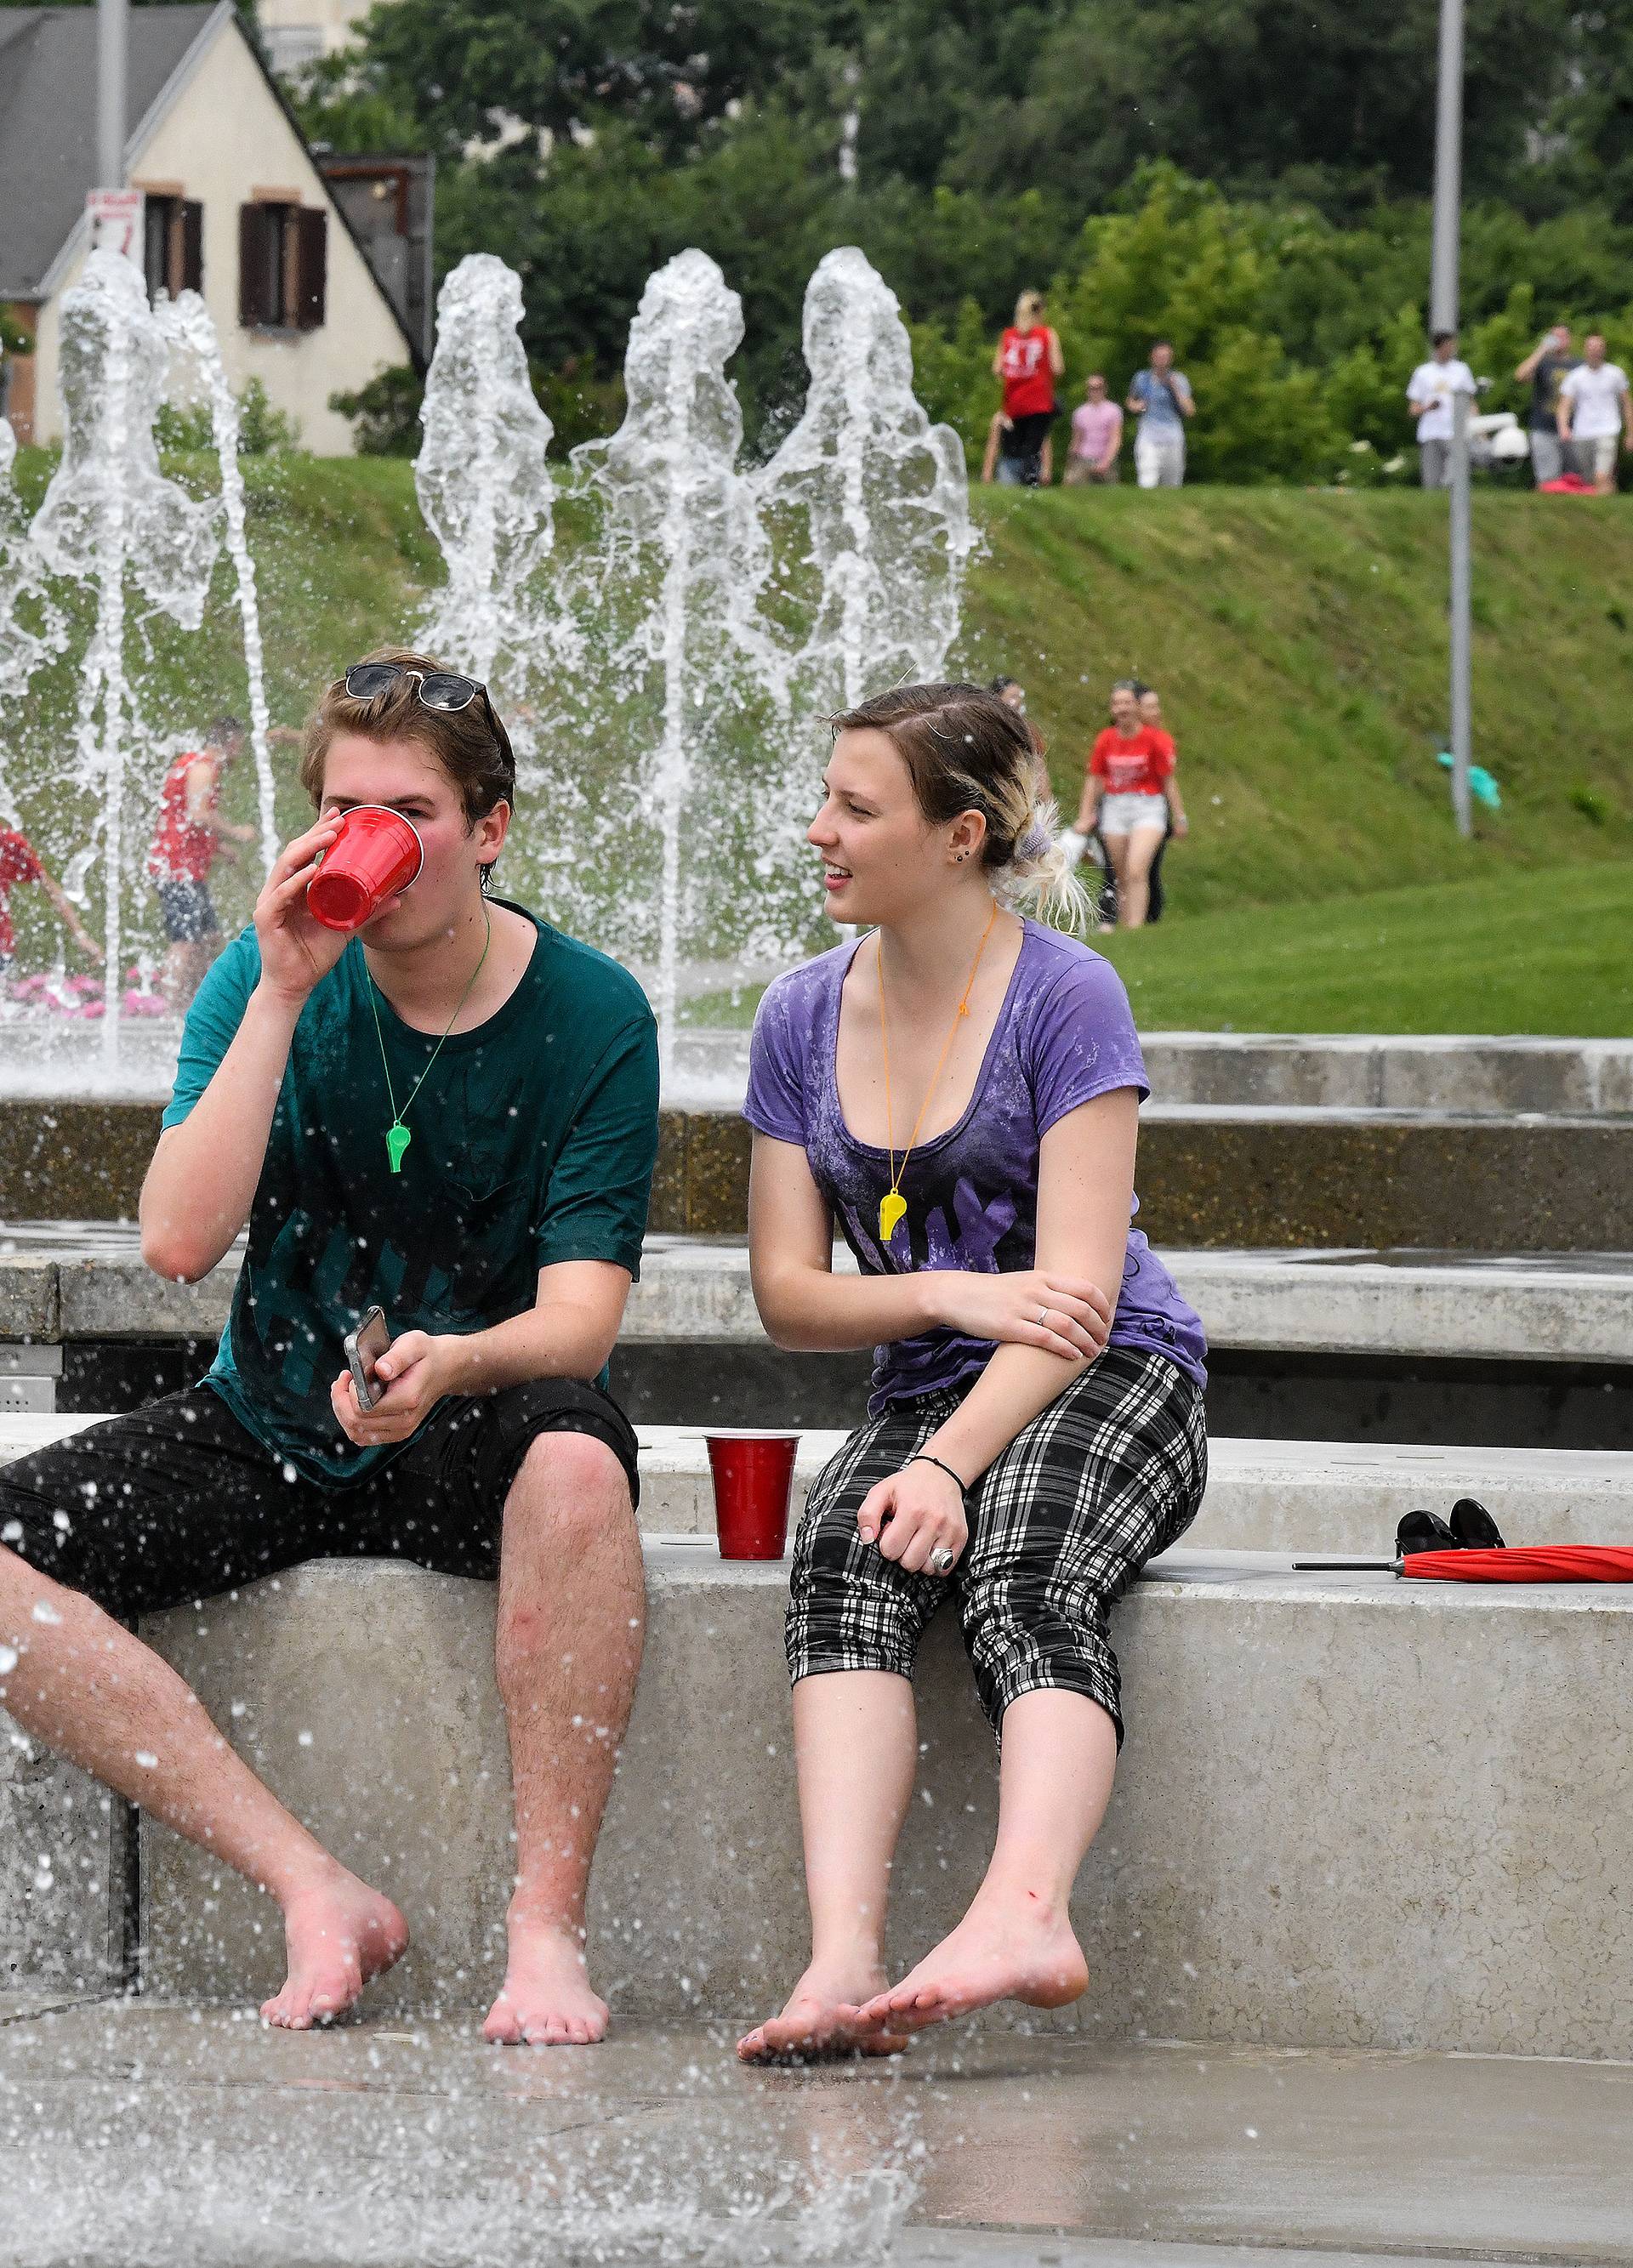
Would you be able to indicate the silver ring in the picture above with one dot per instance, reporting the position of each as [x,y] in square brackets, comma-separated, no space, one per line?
[1043,1314]
[942,1559]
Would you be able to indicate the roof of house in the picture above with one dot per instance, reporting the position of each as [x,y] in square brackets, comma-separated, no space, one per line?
[48,120]
[47,127]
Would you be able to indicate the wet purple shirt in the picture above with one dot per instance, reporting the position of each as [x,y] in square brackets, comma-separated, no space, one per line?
[1064,1034]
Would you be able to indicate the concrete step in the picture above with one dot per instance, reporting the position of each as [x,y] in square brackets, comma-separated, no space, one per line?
[1352,1812]
[1221,1176]
[67,1281]
[1472,1073]
[1342,1496]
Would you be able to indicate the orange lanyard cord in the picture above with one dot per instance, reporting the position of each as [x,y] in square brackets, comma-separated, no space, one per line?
[962,1010]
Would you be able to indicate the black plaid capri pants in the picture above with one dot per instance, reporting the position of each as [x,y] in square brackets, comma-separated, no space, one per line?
[1109,1475]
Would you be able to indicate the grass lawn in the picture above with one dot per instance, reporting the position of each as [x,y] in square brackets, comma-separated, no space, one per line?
[1299,641]
[1548,952]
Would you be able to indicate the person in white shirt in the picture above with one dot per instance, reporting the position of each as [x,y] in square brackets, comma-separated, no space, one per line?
[1594,413]
[1429,396]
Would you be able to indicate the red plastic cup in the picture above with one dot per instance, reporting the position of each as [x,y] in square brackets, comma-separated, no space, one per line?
[376,853]
[753,1473]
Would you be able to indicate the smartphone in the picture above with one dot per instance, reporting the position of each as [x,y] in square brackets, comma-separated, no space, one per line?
[364,1348]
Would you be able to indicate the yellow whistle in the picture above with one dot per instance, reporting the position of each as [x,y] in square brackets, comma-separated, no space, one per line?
[891,1209]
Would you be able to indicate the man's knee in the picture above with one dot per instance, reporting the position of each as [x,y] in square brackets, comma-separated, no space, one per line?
[571,1484]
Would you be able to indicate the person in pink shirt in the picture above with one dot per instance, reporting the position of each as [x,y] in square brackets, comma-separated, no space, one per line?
[1096,437]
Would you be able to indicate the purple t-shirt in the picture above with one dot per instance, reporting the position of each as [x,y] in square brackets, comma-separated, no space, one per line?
[1063,1036]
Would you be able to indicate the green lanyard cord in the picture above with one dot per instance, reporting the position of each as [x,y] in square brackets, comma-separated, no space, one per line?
[397,1135]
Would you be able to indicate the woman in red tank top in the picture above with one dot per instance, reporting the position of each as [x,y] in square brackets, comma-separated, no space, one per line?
[1028,361]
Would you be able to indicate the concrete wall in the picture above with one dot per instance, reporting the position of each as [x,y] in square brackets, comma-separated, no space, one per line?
[1350,1811]
[224,138]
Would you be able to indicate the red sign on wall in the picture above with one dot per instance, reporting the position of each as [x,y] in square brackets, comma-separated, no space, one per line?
[116,221]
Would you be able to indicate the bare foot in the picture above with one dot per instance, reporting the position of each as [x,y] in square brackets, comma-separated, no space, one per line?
[545,2001]
[1003,1950]
[823,2019]
[340,1933]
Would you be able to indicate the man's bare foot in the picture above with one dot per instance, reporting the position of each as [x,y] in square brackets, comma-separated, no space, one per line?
[340,1934]
[823,2018]
[1003,1949]
[545,2001]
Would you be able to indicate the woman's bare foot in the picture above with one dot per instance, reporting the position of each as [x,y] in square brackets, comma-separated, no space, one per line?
[823,2018]
[545,2001]
[340,1934]
[1004,1949]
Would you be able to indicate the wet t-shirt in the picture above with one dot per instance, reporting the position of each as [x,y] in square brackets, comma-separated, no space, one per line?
[534,1138]
[1064,1034]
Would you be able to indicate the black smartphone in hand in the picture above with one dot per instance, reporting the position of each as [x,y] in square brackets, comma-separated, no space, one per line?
[363,1347]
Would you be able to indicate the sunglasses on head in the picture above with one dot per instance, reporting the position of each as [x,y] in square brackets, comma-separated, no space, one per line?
[443,690]
[438,688]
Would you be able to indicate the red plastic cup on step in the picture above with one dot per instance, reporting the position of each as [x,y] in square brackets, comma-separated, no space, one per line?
[376,854]
[753,1473]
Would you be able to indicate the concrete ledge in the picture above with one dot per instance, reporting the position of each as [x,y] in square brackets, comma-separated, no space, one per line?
[72,1280]
[64,1845]
[1351,1811]
[1360,1072]
[1338,1497]
[1214,1175]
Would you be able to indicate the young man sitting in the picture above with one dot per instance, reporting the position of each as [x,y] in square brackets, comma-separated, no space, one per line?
[499,1228]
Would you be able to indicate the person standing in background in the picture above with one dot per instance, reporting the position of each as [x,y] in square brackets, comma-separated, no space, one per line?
[1596,415]
[1430,393]
[1028,361]
[1096,437]
[1160,397]
[1131,798]
[21,862]
[190,834]
[1544,370]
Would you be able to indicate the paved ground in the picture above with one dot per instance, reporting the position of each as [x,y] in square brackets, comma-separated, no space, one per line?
[136,2134]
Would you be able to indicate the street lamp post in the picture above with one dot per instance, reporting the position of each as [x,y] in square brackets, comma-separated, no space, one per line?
[1443,316]
[112,47]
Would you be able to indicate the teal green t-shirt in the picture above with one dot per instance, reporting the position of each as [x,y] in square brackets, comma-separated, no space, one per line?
[534,1136]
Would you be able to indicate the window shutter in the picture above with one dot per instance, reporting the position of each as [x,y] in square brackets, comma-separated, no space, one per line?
[192,246]
[311,269]
[253,310]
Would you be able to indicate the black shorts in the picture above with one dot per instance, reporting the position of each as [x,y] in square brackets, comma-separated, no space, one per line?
[189,910]
[178,1501]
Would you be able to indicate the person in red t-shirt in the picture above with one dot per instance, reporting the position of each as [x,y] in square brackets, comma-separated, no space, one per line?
[1028,360]
[189,836]
[20,863]
[1131,797]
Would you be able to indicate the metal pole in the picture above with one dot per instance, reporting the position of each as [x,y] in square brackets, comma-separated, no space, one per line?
[1461,721]
[1443,316]
[112,45]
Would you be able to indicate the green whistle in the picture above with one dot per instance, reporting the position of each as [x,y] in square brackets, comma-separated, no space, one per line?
[397,1139]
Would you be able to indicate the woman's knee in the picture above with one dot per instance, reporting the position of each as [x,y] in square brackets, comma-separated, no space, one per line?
[1041,1633]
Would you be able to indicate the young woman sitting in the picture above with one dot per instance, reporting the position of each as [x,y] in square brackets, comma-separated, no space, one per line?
[958,1092]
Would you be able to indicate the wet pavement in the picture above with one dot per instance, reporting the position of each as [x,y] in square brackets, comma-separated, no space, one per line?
[133,2132]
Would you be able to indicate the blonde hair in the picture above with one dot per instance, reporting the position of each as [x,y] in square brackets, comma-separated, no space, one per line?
[1029,309]
[966,750]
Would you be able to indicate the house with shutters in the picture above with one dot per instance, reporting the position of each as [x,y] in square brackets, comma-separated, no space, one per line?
[235,206]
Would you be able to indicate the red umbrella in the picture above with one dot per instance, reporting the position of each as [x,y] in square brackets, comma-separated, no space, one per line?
[1558,1562]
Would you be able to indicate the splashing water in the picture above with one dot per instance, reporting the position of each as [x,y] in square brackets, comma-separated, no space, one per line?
[187,320]
[32,627]
[107,514]
[663,627]
[877,497]
[679,524]
[483,484]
